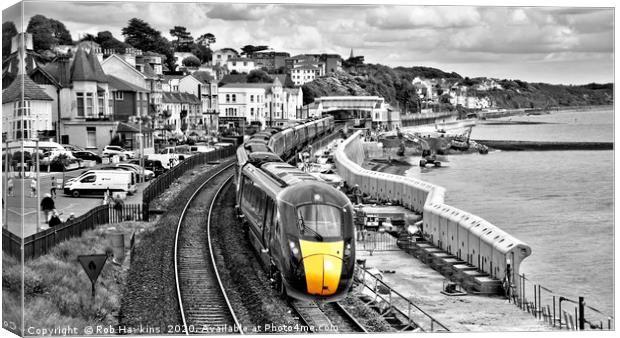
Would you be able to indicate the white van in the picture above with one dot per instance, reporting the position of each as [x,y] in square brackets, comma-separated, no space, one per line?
[98,181]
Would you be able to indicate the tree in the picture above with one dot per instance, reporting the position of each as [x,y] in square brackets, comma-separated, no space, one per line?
[47,33]
[141,35]
[60,32]
[184,38]
[191,61]
[107,41]
[8,32]
[259,76]
[88,37]
[248,50]
[206,39]
[203,53]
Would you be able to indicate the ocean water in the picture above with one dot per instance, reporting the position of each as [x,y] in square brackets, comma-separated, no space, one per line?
[561,203]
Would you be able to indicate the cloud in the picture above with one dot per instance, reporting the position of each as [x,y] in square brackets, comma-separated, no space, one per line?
[240,12]
[404,17]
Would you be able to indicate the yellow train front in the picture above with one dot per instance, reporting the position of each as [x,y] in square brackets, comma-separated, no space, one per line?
[316,253]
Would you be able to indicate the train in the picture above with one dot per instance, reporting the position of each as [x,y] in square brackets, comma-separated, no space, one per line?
[301,228]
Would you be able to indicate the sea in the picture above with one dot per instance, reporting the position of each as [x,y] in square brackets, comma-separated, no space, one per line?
[561,203]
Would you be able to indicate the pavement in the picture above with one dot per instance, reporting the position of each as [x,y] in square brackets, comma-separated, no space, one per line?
[23,207]
[423,285]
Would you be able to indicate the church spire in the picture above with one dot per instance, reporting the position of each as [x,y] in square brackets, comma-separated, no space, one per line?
[351,56]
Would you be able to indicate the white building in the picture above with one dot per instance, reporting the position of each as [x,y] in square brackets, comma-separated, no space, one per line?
[203,86]
[220,56]
[35,110]
[303,74]
[264,103]
[240,65]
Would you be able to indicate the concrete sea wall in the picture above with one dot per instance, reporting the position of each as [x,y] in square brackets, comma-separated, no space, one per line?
[460,233]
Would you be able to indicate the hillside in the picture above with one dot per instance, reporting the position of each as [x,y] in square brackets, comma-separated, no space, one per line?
[394,84]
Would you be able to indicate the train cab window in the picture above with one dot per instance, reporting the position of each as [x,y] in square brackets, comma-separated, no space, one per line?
[319,221]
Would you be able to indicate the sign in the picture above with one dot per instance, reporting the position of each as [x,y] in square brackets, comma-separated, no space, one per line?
[93,264]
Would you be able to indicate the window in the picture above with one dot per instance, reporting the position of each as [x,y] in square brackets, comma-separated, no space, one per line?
[91,139]
[21,108]
[234,98]
[245,63]
[80,104]
[118,96]
[89,104]
[100,105]
[251,111]
[251,98]
[227,97]
[319,221]
[219,56]
[89,179]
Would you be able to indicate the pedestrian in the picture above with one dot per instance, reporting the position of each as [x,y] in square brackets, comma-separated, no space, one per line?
[357,192]
[107,197]
[54,220]
[47,205]
[10,187]
[33,187]
[71,218]
[54,186]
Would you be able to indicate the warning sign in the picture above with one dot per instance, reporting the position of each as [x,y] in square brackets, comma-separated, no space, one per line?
[93,264]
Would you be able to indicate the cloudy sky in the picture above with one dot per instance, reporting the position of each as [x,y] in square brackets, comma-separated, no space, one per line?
[537,44]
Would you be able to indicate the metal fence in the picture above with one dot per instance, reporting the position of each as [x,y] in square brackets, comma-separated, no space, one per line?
[42,242]
[372,241]
[557,310]
[392,302]
[162,182]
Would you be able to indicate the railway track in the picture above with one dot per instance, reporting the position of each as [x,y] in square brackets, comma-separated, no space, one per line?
[203,302]
[328,317]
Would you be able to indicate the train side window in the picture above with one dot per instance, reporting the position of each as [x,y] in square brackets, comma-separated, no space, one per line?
[268,213]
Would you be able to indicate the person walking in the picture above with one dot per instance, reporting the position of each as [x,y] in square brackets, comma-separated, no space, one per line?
[10,187]
[47,206]
[33,187]
[53,188]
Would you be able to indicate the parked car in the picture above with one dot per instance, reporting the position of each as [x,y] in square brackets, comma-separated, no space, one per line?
[87,155]
[116,150]
[148,174]
[72,147]
[153,165]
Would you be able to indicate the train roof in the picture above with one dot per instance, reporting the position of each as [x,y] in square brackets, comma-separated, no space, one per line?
[252,147]
[261,157]
[286,173]
[316,191]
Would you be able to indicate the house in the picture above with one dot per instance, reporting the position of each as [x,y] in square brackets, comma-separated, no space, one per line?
[170,83]
[220,56]
[424,88]
[240,65]
[332,62]
[304,74]
[26,116]
[203,86]
[128,100]
[266,104]
[180,110]
[129,135]
[270,60]
[82,107]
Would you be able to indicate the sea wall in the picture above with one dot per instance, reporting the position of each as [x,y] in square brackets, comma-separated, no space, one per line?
[460,233]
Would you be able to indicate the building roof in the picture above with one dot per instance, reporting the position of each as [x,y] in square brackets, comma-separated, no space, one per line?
[84,68]
[172,77]
[94,62]
[60,70]
[124,127]
[30,89]
[123,86]
[306,67]
[203,77]
[180,97]
[224,50]
[248,85]
[240,59]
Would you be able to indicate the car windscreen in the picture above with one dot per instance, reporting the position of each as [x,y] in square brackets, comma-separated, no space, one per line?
[319,221]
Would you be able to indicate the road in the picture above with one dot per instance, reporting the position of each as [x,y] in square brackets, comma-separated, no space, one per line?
[16,211]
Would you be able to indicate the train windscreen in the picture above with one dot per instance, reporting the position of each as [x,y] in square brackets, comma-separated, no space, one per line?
[319,221]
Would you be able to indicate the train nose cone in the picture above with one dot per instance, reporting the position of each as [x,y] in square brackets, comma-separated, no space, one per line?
[323,266]
[322,274]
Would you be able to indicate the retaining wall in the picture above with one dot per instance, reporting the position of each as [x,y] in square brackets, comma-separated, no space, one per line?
[462,234]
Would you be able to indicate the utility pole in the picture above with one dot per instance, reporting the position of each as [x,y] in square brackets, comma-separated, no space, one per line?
[6,182]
